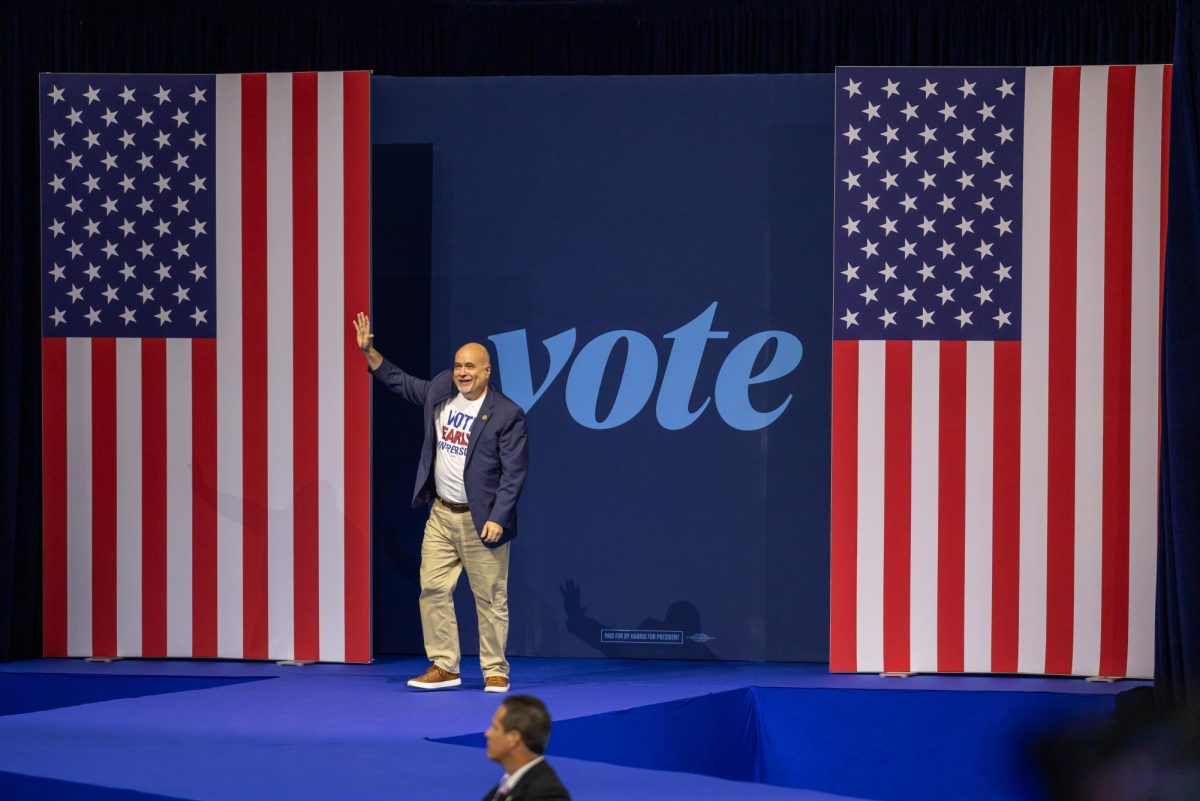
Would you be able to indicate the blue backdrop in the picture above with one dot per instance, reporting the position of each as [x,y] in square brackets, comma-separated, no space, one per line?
[648,259]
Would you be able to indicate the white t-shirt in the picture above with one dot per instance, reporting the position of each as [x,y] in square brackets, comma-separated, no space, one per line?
[453,418]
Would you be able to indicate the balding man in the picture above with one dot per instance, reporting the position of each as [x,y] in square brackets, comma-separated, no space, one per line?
[472,468]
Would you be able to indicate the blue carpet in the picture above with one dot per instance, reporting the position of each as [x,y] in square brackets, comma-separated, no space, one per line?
[634,730]
[21,693]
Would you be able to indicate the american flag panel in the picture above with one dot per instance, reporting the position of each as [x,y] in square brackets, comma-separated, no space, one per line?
[205,244]
[998,260]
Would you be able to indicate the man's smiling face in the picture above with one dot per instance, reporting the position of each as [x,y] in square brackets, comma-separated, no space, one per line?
[472,369]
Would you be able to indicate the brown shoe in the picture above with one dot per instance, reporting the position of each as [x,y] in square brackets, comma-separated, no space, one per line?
[495,684]
[435,679]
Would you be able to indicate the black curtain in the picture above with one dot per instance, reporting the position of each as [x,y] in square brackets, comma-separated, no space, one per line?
[495,37]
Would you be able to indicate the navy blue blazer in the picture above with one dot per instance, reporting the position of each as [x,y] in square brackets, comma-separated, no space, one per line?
[497,457]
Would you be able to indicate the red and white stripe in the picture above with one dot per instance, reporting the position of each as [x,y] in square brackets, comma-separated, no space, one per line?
[994,505]
[210,498]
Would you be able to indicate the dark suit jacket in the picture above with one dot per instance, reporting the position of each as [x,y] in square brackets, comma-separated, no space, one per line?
[539,784]
[497,457]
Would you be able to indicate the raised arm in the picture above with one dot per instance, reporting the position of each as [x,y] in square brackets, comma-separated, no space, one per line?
[411,389]
[362,331]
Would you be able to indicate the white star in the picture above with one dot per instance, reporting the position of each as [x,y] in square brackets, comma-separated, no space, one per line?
[1003,272]
[198,272]
[926,317]
[92,227]
[926,272]
[180,161]
[128,271]
[870,249]
[872,111]
[984,158]
[126,183]
[984,249]
[126,139]
[964,318]
[851,272]
[889,180]
[889,318]
[966,134]
[163,316]
[947,203]
[56,228]
[947,112]
[126,226]
[984,295]
[967,88]
[59,317]
[146,205]
[888,272]
[181,294]
[890,134]
[1005,180]
[75,249]
[851,134]
[76,161]
[928,180]
[109,161]
[126,95]
[908,248]
[869,294]
[57,272]
[110,249]
[109,116]
[180,250]
[1004,226]
[1005,134]
[92,183]
[163,95]
[929,88]
[909,203]
[92,95]
[1001,318]
[56,139]
[929,134]
[964,227]
[93,316]
[947,295]
[909,111]
[965,180]
[850,318]
[909,158]
[888,225]
[907,295]
[75,117]
[76,293]
[163,272]
[163,227]
[926,226]
[181,117]
[146,294]
[147,161]
[871,156]
[75,205]
[147,250]
[146,117]
[852,88]
[56,95]
[110,293]
[1005,89]
[197,95]
[163,139]
[199,315]
[947,249]
[163,183]
[985,112]
[947,157]
[198,183]
[872,202]
[891,87]
[129,315]
[198,140]
[964,272]
[851,226]
[92,272]
[984,203]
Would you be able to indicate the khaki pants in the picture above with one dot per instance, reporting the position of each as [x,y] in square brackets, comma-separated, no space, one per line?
[451,545]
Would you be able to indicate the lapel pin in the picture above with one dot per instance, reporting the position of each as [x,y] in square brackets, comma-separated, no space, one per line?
[484,417]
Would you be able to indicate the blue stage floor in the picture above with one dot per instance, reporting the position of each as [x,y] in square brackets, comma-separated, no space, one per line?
[236,730]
